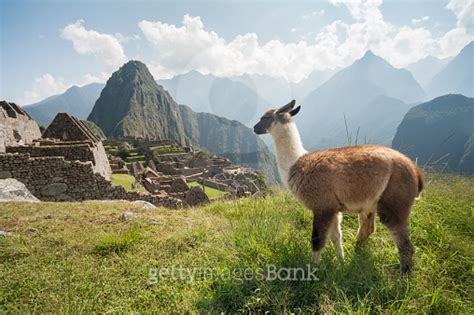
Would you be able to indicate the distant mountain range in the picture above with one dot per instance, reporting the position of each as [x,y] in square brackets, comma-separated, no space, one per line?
[425,69]
[456,77]
[440,132]
[76,101]
[133,104]
[349,93]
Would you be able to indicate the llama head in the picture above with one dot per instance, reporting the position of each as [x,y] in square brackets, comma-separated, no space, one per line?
[275,117]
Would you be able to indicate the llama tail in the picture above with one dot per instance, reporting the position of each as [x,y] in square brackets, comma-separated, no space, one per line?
[421,181]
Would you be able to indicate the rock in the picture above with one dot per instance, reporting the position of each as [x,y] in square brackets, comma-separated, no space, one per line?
[196,196]
[128,215]
[179,185]
[5,233]
[14,190]
[53,189]
[144,204]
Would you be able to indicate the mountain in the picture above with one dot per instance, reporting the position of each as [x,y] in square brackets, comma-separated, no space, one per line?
[229,138]
[76,101]
[133,104]
[348,93]
[442,131]
[456,77]
[221,96]
[377,122]
[425,69]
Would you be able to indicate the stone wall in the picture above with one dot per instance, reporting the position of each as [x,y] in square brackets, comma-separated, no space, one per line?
[85,151]
[56,179]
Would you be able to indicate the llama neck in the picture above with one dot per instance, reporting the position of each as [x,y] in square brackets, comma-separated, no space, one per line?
[288,146]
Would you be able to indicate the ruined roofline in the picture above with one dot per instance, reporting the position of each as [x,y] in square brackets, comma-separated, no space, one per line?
[65,123]
[86,129]
[13,110]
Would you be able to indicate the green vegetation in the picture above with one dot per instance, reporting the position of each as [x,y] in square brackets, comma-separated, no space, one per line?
[85,257]
[124,180]
[95,129]
[212,193]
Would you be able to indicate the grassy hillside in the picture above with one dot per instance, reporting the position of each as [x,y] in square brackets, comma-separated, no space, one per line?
[86,257]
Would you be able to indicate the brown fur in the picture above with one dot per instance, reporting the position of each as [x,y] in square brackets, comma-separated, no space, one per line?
[361,179]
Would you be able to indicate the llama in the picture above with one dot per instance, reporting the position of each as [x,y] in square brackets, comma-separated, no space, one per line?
[364,179]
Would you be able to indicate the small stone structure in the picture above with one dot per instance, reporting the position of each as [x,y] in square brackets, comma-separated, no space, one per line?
[16,126]
[70,138]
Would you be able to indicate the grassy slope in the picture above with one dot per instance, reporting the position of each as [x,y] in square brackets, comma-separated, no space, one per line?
[70,257]
[124,180]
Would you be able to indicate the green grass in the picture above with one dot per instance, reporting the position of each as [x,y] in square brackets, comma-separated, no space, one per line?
[85,257]
[212,193]
[124,180]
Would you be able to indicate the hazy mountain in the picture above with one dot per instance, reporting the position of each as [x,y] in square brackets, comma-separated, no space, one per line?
[349,93]
[133,104]
[221,96]
[425,69]
[377,122]
[229,138]
[456,77]
[76,101]
[439,130]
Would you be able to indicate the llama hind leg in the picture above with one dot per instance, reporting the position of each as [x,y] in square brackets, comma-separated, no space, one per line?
[336,235]
[366,225]
[404,246]
[322,221]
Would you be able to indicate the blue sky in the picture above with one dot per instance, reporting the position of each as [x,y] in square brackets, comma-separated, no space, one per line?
[48,46]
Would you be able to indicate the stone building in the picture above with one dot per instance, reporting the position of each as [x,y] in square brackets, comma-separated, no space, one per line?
[16,126]
[70,138]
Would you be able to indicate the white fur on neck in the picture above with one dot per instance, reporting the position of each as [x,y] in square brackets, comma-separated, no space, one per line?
[288,146]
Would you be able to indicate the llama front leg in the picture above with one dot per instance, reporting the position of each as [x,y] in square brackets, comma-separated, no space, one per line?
[322,221]
[336,235]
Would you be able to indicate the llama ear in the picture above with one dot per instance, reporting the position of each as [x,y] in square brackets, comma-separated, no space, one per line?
[295,111]
[287,107]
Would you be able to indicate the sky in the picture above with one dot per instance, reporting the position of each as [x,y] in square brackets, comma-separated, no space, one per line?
[48,46]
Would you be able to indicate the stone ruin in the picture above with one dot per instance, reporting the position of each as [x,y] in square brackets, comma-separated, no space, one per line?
[169,173]
[70,138]
[67,163]
[16,126]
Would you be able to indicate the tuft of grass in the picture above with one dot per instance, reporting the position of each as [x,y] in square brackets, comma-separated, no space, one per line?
[83,257]
[116,243]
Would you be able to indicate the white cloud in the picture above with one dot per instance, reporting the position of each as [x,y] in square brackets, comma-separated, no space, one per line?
[313,14]
[464,11]
[42,87]
[419,20]
[105,47]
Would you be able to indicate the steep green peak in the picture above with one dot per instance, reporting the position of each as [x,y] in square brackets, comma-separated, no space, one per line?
[133,70]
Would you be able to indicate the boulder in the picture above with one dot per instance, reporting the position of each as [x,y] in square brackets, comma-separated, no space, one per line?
[179,185]
[13,190]
[144,204]
[196,196]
